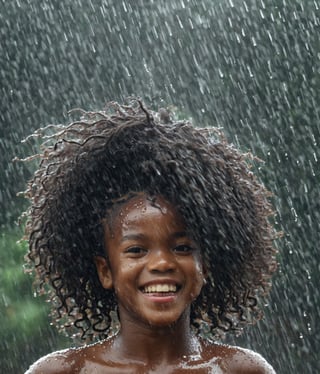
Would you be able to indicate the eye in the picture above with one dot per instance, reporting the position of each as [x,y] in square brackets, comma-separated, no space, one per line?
[183,249]
[135,251]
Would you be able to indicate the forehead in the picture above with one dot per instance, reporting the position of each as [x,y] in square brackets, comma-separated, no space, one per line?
[139,207]
[142,208]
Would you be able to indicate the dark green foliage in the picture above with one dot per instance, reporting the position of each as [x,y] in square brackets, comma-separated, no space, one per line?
[25,331]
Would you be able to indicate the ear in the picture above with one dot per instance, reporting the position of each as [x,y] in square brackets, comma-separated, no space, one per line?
[104,272]
[205,273]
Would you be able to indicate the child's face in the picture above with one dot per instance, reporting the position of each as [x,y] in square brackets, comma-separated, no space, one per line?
[154,265]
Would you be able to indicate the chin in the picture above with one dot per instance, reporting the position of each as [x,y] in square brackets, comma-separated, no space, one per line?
[164,319]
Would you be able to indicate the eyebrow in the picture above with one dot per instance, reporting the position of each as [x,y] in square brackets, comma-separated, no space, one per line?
[176,235]
[180,234]
[132,237]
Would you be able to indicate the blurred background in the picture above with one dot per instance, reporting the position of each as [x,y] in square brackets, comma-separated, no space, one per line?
[251,67]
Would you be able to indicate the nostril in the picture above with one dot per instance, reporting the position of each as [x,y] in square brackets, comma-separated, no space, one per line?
[161,262]
[162,270]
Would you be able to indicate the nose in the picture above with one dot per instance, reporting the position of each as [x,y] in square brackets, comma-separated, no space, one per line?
[161,260]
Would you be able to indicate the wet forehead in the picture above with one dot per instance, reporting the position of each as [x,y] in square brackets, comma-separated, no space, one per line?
[142,208]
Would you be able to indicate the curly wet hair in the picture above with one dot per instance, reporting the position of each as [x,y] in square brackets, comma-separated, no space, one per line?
[98,162]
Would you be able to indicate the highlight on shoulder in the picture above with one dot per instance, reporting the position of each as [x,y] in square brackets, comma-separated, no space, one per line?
[235,360]
[54,363]
[245,361]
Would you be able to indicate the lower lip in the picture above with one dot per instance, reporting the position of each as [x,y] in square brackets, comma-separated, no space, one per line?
[165,298]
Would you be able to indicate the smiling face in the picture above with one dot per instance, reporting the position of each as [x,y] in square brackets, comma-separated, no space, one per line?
[153,264]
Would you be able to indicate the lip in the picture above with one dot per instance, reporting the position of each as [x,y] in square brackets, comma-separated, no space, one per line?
[163,299]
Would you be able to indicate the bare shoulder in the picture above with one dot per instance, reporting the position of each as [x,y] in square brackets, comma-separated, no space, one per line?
[89,358]
[246,361]
[60,362]
[237,360]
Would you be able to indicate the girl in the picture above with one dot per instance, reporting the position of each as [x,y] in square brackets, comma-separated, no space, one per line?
[152,238]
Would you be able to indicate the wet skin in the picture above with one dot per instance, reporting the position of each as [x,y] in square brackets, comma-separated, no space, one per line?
[155,270]
[149,247]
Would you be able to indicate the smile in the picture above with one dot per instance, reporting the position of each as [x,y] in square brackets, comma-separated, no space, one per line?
[160,288]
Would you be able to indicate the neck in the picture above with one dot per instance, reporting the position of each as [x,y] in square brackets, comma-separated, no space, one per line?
[153,344]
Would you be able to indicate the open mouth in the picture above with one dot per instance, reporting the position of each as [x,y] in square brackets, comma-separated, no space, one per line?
[160,288]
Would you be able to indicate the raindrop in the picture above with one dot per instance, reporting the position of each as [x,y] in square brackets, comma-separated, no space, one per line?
[309,327]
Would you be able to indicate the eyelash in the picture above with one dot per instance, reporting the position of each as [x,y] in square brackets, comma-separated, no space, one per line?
[135,250]
[181,249]
[184,248]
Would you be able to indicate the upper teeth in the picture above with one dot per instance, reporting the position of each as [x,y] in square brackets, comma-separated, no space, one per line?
[160,288]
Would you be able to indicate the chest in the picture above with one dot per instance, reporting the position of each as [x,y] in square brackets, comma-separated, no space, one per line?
[130,368]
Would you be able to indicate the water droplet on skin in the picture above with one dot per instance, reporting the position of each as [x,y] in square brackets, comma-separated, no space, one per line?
[164,210]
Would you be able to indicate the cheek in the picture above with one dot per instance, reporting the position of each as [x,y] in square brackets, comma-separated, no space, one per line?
[125,277]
